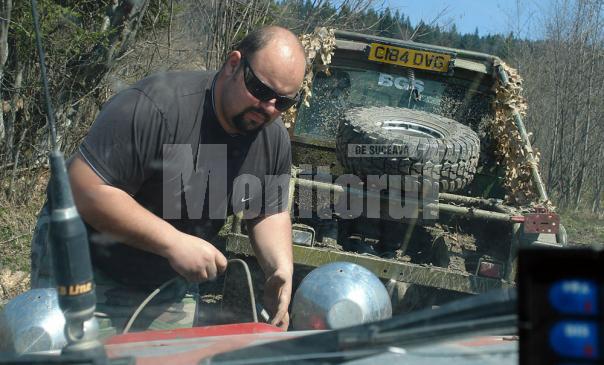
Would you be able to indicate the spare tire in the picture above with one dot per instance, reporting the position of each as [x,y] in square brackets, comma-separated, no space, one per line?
[409,142]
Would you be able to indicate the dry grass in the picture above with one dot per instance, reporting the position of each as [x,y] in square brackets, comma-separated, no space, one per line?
[18,215]
[583,228]
[12,284]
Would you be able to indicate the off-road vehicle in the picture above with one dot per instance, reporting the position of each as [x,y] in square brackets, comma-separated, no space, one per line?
[434,132]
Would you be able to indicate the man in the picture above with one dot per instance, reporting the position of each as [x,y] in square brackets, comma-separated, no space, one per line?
[120,173]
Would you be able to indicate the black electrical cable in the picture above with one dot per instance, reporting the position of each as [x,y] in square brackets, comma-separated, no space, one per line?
[49,111]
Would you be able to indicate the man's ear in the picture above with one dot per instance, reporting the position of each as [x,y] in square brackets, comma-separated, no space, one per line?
[232,63]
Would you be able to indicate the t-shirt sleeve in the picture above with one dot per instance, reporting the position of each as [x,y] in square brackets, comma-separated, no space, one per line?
[276,185]
[124,144]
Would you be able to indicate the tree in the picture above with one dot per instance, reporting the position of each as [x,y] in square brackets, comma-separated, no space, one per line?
[564,76]
[83,41]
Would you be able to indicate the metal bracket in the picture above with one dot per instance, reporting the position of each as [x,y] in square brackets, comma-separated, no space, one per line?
[541,221]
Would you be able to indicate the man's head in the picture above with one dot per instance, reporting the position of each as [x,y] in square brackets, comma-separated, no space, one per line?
[259,80]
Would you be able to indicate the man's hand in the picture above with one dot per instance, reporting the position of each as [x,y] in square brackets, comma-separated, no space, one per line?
[195,259]
[277,295]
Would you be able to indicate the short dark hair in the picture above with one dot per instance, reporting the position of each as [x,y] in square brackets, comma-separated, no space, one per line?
[259,38]
[255,41]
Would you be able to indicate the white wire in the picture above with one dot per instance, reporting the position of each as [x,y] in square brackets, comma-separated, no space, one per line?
[146,301]
[248,275]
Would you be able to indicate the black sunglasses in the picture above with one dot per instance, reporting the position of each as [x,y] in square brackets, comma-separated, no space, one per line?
[264,93]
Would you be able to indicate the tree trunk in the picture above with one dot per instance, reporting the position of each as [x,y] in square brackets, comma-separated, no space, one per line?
[595,207]
[6,7]
[586,131]
[578,40]
[14,109]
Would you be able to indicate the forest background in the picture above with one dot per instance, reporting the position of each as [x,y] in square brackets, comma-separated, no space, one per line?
[95,48]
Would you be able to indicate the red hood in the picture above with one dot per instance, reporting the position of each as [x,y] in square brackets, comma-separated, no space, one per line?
[190,345]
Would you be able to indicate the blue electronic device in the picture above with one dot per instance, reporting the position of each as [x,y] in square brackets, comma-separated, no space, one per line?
[560,296]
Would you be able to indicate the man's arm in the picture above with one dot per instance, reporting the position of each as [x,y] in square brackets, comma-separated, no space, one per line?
[112,211]
[271,237]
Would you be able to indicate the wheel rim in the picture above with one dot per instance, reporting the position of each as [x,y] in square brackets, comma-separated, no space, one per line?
[409,128]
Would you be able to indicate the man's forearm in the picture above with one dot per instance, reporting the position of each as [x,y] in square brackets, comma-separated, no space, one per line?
[112,211]
[272,241]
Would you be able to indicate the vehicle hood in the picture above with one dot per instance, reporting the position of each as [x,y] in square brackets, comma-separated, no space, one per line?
[190,346]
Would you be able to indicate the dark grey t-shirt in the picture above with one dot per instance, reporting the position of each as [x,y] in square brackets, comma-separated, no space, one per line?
[160,142]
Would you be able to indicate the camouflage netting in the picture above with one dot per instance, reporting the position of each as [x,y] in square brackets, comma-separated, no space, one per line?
[509,148]
[320,43]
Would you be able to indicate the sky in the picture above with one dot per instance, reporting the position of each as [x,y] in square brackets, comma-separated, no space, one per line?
[490,16]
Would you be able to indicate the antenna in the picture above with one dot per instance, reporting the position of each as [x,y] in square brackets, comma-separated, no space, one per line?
[68,240]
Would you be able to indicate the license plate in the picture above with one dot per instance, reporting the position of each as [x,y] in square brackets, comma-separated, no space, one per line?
[407,57]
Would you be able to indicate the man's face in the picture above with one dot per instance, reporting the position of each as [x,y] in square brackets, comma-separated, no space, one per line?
[261,88]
